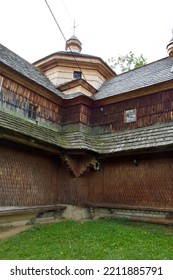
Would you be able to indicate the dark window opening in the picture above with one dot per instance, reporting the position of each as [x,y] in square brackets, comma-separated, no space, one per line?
[77,75]
[32,112]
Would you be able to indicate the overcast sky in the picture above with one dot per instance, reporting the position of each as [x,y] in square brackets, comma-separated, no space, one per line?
[106,28]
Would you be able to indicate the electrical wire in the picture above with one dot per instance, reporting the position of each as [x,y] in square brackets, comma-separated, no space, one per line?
[64,38]
[55,20]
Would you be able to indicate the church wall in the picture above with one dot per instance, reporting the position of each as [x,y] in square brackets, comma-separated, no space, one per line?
[142,181]
[30,178]
[60,75]
[150,110]
[94,78]
[21,101]
[77,114]
[33,178]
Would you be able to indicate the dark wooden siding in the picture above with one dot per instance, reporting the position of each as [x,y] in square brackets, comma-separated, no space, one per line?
[147,182]
[151,109]
[17,98]
[71,115]
[28,178]
[32,178]
[76,114]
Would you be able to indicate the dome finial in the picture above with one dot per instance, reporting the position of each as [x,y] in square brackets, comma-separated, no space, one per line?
[170,46]
[73,44]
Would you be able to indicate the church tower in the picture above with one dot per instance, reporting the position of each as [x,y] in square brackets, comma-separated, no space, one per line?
[73,72]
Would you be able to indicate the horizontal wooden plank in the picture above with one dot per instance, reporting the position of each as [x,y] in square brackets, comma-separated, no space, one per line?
[30,209]
[127,207]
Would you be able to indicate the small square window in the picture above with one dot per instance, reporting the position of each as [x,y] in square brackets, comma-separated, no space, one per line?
[77,74]
[130,116]
[32,112]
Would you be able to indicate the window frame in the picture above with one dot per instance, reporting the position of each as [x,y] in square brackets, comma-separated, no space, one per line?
[32,112]
[77,75]
[130,115]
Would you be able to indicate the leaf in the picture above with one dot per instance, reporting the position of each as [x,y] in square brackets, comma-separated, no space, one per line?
[127,62]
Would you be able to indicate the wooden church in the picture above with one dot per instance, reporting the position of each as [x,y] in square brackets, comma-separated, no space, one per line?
[75,134]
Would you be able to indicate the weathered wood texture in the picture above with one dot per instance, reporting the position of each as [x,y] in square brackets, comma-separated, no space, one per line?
[150,109]
[75,114]
[28,178]
[18,98]
[144,181]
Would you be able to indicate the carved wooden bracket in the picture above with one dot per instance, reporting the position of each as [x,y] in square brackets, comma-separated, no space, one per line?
[78,164]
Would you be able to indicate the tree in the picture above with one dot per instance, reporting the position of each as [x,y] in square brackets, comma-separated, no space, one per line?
[127,62]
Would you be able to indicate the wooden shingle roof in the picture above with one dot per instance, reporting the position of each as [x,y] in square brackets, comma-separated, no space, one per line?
[151,74]
[23,67]
[151,137]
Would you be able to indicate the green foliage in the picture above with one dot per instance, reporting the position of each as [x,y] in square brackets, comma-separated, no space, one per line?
[127,62]
[91,240]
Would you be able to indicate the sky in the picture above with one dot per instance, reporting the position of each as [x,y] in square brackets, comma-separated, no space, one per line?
[106,28]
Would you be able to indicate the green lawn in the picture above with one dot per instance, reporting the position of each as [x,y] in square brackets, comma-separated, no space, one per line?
[91,240]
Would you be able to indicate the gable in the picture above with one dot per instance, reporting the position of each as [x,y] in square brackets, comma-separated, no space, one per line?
[77,86]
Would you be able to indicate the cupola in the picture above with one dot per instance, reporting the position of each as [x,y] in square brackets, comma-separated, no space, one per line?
[73,45]
[170,46]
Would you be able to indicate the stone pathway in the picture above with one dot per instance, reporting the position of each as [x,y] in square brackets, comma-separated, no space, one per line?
[13,231]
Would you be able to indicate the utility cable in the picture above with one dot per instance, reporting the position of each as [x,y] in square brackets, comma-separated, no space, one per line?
[55,20]
[64,38]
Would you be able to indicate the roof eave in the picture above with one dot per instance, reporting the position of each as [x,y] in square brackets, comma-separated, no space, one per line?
[11,74]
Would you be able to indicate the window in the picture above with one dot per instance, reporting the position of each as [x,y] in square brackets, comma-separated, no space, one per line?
[130,116]
[32,112]
[77,75]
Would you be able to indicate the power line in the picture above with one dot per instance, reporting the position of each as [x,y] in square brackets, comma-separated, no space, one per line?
[55,20]
[64,38]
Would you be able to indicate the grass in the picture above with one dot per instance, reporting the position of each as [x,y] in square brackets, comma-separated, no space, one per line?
[91,240]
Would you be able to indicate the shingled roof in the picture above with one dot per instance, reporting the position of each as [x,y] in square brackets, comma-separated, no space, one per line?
[26,69]
[151,74]
[148,75]
[156,136]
